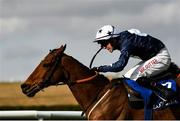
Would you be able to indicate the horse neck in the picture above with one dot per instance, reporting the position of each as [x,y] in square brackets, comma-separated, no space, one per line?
[86,92]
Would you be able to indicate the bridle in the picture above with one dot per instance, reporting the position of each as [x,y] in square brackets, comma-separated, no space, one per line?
[53,69]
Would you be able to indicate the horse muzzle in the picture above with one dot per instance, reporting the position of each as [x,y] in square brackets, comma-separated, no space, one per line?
[29,90]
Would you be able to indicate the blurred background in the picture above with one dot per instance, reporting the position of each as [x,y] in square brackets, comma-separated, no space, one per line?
[30,28]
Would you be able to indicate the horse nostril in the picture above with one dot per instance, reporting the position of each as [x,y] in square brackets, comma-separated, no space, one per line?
[23,86]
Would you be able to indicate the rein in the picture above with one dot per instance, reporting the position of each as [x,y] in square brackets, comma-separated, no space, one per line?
[87,79]
[92,77]
[94,57]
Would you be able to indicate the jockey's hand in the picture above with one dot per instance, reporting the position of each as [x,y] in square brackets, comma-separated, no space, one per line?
[95,69]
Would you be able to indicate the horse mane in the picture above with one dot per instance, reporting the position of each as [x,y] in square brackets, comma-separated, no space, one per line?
[85,68]
[78,62]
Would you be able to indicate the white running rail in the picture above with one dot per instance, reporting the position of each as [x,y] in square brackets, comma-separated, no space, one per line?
[40,115]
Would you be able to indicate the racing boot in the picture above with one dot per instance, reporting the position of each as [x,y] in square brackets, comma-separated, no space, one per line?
[165,93]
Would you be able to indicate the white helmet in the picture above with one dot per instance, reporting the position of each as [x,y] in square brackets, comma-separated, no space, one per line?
[106,32]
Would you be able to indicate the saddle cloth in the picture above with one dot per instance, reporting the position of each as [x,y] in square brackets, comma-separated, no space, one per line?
[137,93]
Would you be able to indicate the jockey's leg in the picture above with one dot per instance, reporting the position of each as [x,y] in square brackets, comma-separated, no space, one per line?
[151,67]
[133,71]
[167,94]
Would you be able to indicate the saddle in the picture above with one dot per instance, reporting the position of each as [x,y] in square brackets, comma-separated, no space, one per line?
[135,100]
[157,98]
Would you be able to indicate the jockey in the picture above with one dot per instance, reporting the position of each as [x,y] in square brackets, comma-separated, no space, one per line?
[132,43]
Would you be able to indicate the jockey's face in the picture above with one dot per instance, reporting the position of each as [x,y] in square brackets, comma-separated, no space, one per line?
[109,47]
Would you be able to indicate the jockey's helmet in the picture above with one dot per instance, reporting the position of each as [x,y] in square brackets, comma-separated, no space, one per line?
[105,33]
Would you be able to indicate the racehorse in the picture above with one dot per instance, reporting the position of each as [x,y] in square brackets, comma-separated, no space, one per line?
[95,94]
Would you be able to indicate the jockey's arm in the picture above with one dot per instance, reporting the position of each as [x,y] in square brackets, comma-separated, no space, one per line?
[117,66]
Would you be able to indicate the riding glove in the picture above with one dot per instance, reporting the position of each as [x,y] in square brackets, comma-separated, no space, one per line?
[95,69]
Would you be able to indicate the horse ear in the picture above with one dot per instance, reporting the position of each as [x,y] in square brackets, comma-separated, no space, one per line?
[64,47]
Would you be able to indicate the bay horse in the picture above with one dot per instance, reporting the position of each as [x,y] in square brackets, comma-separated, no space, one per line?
[93,91]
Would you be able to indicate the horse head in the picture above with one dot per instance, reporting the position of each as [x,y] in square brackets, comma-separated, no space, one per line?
[48,72]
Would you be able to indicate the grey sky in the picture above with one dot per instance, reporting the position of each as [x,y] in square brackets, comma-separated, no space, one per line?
[29,28]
